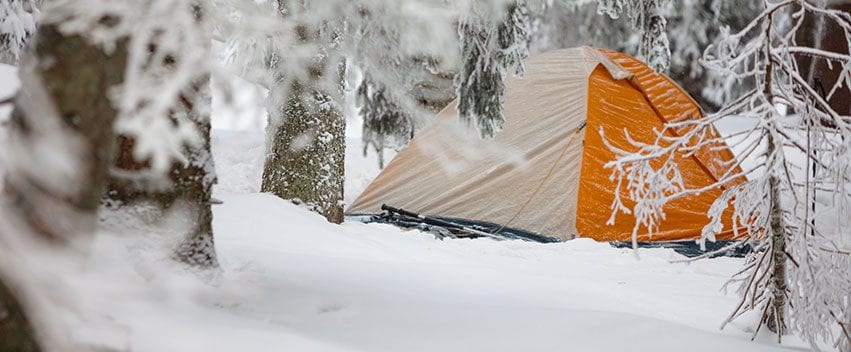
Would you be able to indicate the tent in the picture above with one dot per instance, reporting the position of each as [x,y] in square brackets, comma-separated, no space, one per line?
[544,172]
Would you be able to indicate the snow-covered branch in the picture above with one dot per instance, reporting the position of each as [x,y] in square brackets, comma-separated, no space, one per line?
[795,146]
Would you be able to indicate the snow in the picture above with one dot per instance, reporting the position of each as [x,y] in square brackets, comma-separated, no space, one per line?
[8,86]
[237,104]
[290,281]
[8,80]
[376,288]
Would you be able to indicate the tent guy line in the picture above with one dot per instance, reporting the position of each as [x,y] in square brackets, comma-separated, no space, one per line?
[547,177]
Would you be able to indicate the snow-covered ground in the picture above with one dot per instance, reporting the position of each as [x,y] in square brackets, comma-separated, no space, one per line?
[290,281]
[377,288]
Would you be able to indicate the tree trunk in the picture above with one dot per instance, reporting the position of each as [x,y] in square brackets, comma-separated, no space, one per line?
[189,186]
[16,332]
[776,318]
[194,184]
[817,32]
[60,140]
[186,187]
[305,156]
[60,200]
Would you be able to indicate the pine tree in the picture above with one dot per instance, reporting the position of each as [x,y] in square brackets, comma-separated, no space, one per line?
[385,124]
[17,24]
[193,186]
[427,89]
[488,49]
[691,26]
[566,24]
[647,17]
[422,85]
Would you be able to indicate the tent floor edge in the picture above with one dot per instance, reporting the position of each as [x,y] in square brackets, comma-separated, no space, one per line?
[443,227]
[691,249]
[454,228]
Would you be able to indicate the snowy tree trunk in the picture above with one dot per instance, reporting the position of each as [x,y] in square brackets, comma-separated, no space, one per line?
[16,332]
[188,189]
[775,320]
[64,112]
[193,186]
[189,184]
[305,151]
[305,137]
[61,141]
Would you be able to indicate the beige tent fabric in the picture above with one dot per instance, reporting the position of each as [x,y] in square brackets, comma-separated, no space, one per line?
[447,170]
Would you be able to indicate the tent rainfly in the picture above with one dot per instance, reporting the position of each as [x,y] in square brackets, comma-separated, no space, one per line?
[544,172]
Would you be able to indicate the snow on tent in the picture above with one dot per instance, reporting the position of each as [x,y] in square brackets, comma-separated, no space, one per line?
[544,174]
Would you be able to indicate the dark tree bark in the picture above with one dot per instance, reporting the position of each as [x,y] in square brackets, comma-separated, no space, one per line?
[186,187]
[305,160]
[16,332]
[776,318]
[194,185]
[821,75]
[61,138]
[76,126]
[306,155]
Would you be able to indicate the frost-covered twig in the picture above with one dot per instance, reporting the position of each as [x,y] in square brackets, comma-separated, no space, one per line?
[773,206]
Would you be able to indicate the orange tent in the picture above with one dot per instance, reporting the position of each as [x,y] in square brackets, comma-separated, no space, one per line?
[544,173]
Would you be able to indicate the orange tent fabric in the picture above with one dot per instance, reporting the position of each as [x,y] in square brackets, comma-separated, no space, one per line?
[615,106]
[541,174]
